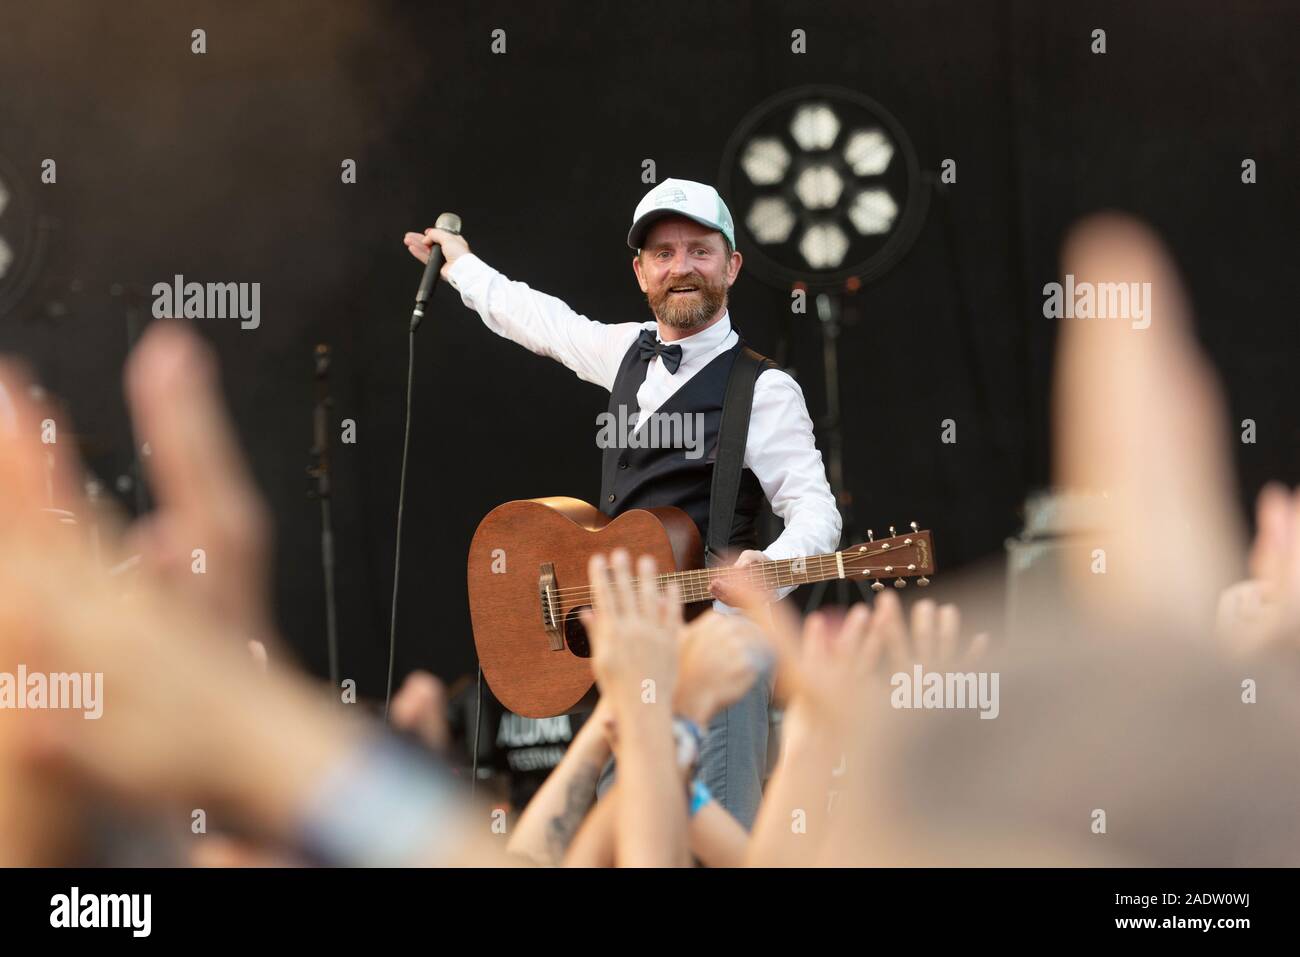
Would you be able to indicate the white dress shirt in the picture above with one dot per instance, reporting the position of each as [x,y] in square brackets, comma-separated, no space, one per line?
[780,449]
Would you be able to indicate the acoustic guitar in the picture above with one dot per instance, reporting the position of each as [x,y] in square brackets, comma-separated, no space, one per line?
[528,580]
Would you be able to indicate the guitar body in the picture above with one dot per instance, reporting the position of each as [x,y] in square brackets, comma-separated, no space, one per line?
[524,558]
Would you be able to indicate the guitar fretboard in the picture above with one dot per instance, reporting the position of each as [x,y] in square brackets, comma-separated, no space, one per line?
[695,584]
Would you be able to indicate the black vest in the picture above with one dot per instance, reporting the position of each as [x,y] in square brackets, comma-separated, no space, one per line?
[653,477]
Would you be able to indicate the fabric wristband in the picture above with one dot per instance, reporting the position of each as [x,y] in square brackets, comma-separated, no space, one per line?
[689,742]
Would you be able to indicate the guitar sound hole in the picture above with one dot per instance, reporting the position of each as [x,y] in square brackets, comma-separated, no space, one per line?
[575,636]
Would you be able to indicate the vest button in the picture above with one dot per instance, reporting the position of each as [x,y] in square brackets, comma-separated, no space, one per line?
[611,497]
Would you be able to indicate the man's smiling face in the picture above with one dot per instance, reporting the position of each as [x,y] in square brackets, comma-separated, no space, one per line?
[685,272]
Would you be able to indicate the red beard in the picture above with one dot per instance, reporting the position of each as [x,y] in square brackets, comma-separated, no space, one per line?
[690,310]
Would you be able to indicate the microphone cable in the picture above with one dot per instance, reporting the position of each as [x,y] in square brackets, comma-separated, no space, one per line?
[401,508]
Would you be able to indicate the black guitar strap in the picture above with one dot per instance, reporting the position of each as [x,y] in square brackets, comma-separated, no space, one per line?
[733,433]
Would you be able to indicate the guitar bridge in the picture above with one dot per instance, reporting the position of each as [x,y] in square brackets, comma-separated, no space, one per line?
[546,593]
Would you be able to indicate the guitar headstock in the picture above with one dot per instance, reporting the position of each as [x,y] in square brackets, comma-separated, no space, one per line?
[899,557]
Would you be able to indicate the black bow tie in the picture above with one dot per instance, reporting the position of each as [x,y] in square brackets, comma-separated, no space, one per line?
[649,347]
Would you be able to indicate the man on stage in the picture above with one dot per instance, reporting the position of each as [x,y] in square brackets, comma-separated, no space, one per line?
[680,362]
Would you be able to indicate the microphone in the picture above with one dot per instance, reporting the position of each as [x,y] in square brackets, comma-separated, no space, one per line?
[449,222]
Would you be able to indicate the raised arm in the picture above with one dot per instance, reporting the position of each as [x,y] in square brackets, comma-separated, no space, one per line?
[719,658]
[538,322]
[552,818]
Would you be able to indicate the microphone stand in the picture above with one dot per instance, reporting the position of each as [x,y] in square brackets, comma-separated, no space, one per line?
[322,490]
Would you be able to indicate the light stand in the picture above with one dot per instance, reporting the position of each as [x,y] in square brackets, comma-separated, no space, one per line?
[322,489]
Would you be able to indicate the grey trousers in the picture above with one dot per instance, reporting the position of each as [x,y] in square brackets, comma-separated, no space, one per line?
[734,759]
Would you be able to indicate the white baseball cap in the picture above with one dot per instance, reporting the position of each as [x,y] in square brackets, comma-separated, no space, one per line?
[681,197]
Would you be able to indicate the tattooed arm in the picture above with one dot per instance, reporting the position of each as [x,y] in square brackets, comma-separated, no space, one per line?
[553,816]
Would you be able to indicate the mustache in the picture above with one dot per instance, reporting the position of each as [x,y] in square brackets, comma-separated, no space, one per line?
[694,279]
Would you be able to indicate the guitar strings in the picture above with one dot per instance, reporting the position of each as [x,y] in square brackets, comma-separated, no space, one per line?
[771,573]
[697,577]
[766,575]
[698,591]
[694,583]
[821,562]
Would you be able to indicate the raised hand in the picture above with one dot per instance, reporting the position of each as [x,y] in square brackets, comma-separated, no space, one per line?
[721,657]
[419,708]
[453,246]
[1139,416]
[209,510]
[1264,610]
[184,706]
[633,628]
[933,638]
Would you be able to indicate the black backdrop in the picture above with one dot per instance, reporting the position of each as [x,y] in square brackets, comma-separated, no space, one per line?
[226,167]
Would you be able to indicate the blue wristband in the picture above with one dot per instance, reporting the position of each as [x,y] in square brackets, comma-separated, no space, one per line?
[700,796]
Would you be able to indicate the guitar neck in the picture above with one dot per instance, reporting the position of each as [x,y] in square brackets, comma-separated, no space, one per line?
[695,585]
[898,557]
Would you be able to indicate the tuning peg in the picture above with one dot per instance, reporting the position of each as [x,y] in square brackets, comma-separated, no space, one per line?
[922,582]
[915,527]
[892,533]
[871,536]
[900,582]
[876,586]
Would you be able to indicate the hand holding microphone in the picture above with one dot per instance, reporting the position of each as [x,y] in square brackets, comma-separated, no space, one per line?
[449,240]
[437,248]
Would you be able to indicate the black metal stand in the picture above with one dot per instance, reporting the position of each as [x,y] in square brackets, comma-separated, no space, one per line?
[320,471]
[830,314]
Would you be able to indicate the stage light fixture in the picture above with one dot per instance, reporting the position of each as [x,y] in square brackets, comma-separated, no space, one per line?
[824,245]
[770,220]
[819,187]
[868,152]
[826,185]
[814,126]
[765,161]
[22,236]
[873,212]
